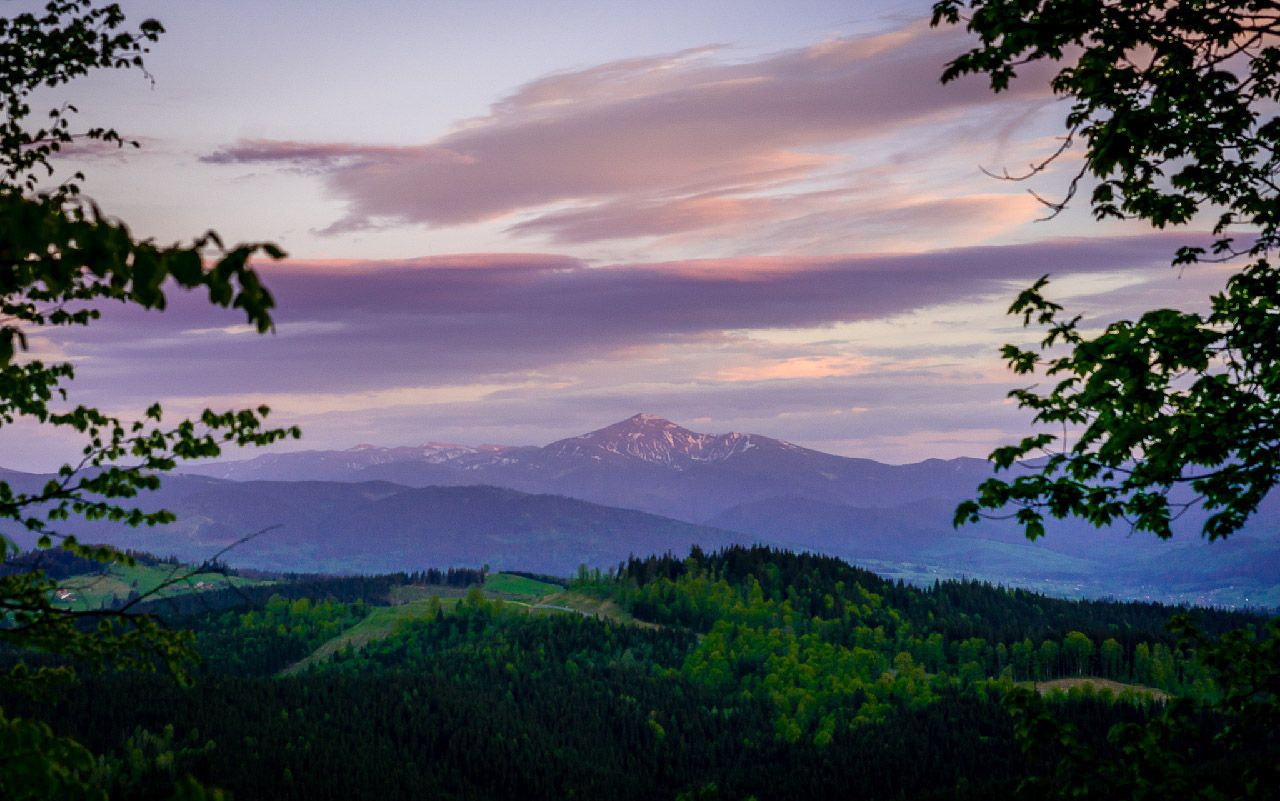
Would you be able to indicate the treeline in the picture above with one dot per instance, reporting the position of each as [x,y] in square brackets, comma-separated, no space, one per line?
[59,564]
[372,590]
[958,609]
[452,577]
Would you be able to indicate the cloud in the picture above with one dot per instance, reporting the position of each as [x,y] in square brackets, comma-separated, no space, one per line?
[624,219]
[649,146]
[316,155]
[893,224]
[862,355]
[811,221]
[798,367]
[504,318]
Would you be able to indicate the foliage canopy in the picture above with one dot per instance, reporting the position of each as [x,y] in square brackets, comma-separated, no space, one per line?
[1174,105]
[61,260]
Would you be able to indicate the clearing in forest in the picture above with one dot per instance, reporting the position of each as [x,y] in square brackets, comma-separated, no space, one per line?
[414,601]
[117,582]
[1096,683]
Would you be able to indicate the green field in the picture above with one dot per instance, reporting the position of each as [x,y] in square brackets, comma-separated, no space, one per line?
[117,582]
[603,608]
[414,601]
[507,584]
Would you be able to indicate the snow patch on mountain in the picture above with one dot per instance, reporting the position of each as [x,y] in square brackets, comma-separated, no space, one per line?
[653,439]
[643,438]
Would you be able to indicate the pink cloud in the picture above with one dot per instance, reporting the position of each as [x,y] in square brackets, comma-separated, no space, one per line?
[624,219]
[797,367]
[829,220]
[648,146]
[486,317]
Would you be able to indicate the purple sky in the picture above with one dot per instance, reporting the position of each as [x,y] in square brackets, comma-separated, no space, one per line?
[516,222]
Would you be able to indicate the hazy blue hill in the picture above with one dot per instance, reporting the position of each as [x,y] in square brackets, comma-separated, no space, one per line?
[380,527]
[432,463]
[626,488]
[510,529]
[917,540]
[23,482]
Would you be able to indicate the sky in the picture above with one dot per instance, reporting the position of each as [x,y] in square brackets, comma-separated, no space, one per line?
[515,222]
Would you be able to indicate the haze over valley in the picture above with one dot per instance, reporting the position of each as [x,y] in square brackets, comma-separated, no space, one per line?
[648,485]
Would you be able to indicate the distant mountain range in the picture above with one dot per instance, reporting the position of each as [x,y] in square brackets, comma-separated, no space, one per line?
[643,462]
[647,485]
[377,527]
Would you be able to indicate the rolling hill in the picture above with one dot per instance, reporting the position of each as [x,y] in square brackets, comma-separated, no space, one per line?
[377,527]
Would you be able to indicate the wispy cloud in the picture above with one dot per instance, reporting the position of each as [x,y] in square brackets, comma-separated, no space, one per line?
[891,356]
[798,367]
[492,318]
[651,146]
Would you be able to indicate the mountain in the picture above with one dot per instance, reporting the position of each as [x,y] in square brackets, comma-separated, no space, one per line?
[651,439]
[378,527]
[347,464]
[917,542]
[643,462]
[646,484]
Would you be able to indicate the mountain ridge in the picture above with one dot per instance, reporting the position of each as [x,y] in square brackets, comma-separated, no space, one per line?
[706,488]
[656,440]
[644,462]
[378,527]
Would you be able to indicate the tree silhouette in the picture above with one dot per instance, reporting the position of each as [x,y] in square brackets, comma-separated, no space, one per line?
[61,258]
[1173,103]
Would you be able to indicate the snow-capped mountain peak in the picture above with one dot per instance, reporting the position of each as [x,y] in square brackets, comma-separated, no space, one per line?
[650,438]
[640,440]
[429,452]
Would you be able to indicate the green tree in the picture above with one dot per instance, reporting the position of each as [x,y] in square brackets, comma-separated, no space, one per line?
[1047,658]
[61,259]
[1077,649]
[1112,656]
[1170,756]
[1173,103]
[1142,663]
[1023,655]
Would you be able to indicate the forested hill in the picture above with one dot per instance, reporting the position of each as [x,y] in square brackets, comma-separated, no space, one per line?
[747,672]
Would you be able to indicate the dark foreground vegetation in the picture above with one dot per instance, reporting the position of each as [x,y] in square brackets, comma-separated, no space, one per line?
[757,673]
[745,673]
